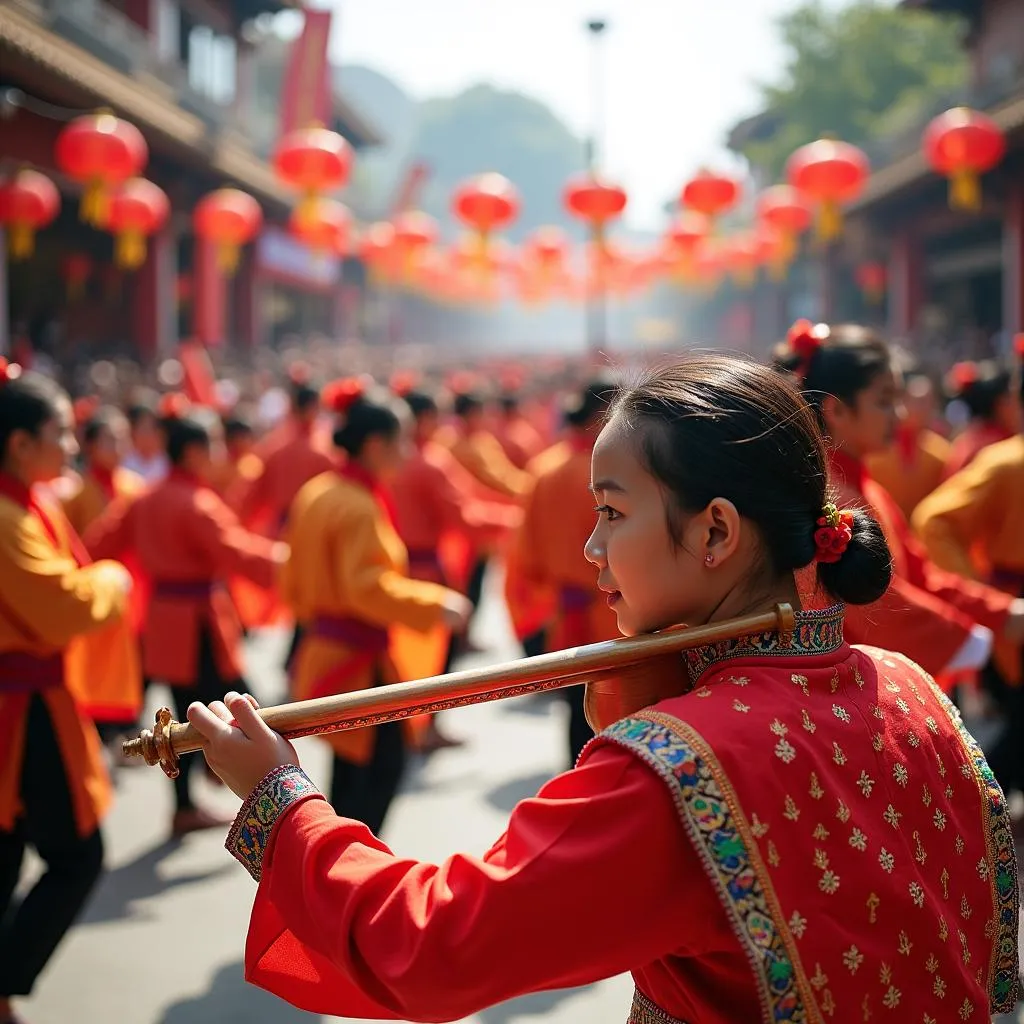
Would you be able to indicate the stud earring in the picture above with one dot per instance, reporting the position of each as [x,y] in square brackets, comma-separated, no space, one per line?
[709,559]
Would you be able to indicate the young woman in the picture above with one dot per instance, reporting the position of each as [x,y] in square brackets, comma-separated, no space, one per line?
[347,582]
[942,621]
[53,786]
[798,826]
[986,388]
[188,543]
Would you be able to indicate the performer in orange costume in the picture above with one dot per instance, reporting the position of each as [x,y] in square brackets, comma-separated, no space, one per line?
[547,552]
[347,583]
[806,832]
[943,621]
[519,438]
[986,389]
[188,543]
[242,466]
[54,788]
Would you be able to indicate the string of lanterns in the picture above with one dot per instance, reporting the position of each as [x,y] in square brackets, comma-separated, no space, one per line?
[107,156]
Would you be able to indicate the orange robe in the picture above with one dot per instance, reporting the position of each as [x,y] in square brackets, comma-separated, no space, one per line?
[808,834]
[189,543]
[482,455]
[233,478]
[49,603]
[346,583]
[520,440]
[911,468]
[980,512]
[927,613]
[974,438]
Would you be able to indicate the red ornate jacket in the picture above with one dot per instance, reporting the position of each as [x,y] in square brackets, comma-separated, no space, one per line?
[809,834]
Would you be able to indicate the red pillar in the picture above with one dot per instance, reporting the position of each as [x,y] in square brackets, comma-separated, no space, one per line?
[153,296]
[208,295]
[906,283]
[1013,260]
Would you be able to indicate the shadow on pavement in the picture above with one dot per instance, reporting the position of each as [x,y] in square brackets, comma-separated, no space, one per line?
[121,887]
[537,1005]
[230,1000]
[508,794]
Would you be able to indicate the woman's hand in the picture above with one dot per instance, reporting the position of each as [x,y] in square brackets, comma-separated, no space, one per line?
[456,610]
[239,746]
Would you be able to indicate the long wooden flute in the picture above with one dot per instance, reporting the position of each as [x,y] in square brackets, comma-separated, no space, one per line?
[168,739]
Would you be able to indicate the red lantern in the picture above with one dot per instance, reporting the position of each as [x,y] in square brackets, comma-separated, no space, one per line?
[963,144]
[101,152]
[314,161]
[595,201]
[872,279]
[830,173]
[709,193]
[75,268]
[783,210]
[28,201]
[486,203]
[324,225]
[229,218]
[137,210]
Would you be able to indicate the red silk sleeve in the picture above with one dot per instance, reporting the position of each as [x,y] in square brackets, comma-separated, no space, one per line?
[343,926]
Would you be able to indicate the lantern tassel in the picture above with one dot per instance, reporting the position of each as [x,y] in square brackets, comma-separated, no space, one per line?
[227,258]
[95,204]
[21,241]
[130,251]
[830,221]
[965,190]
[305,212]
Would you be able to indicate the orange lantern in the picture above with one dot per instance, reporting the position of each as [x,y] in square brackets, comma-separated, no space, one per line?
[75,268]
[783,210]
[324,225]
[709,193]
[28,201]
[314,161]
[137,210]
[596,201]
[872,279]
[230,219]
[486,203]
[830,173]
[101,152]
[963,144]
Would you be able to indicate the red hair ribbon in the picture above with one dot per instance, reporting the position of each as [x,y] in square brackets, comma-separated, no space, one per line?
[84,409]
[173,406]
[403,382]
[340,395]
[963,375]
[804,340]
[8,371]
[833,534]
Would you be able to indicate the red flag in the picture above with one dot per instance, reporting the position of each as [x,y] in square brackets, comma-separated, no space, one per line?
[199,383]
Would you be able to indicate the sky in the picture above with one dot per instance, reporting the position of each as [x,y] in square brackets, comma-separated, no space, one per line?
[677,73]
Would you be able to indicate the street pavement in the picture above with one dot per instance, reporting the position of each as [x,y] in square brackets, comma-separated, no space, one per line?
[162,940]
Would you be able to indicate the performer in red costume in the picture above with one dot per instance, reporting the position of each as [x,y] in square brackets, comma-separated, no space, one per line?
[804,833]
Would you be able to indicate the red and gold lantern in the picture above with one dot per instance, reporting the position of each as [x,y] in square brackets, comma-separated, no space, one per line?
[963,144]
[325,225]
[137,210]
[230,219]
[28,201]
[486,204]
[710,194]
[596,201]
[784,211]
[101,152]
[313,161]
[829,173]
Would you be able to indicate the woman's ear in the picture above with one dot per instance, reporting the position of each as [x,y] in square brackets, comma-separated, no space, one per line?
[719,531]
[834,411]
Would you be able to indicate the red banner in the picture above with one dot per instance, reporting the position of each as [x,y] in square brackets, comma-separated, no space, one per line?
[306,87]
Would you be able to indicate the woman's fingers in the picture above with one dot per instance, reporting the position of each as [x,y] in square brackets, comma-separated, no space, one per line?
[219,708]
[246,717]
[206,723]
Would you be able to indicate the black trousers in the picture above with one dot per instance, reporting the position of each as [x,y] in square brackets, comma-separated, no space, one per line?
[475,585]
[1006,759]
[31,930]
[209,687]
[365,791]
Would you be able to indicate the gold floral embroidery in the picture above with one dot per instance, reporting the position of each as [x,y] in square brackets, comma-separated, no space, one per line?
[820,832]
[738,705]
[797,924]
[816,791]
[792,812]
[943,929]
[820,979]
[773,854]
[990,928]
[931,724]
[965,953]
[806,721]
[858,840]
[837,754]
[916,894]
[857,677]
[758,827]
[865,1008]
[926,797]
[877,712]
[920,854]
[905,945]
[738,680]
[929,1019]
[939,819]
[843,812]
[891,685]
[878,742]
[852,959]
[939,987]
[785,751]
[941,765]
[801,681]
[892,816]
[887,860]
[966,1009]
[892,997]
[958,844]
[917,695]
[841,713]
[833,683]
[965,908]
[913,739]
[931,965]
[885,973]
[872,905]
[965,770]
[944,880]
[866,783]
[903,705]
[828,1003]
[820,859]
[703,691]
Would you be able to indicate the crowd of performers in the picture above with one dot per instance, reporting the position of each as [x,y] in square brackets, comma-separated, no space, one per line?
[785,783]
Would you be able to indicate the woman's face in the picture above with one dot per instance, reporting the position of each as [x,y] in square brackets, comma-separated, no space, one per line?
[384,455]
[43,456]
[107,448]
[867,424]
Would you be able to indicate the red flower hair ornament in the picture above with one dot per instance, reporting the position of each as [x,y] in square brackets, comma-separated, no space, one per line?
[340,395]
[833,533]
[8,371]
[962,376]
[84,409]
[173,406]
[804,339]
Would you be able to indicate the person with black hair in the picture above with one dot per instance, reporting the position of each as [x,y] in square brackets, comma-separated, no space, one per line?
[520,440]
[348,582]
[546,573]
[944,622]
[994,406]
[147,456]
[188,544]
[54,790]
[767,842]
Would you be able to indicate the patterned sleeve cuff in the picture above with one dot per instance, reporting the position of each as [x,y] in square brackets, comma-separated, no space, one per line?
[274,794]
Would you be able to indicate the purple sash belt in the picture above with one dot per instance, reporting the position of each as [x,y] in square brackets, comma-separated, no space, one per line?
[196,590]
[1011,580]
[21,672]
[350,631]
[575,599]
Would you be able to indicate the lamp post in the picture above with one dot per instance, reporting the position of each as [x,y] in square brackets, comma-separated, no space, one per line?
[597,299]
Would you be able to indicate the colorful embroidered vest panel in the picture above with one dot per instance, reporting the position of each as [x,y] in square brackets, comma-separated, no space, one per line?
[851,826]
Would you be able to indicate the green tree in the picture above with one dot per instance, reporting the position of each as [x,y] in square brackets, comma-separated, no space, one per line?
[486,129]
[857,72]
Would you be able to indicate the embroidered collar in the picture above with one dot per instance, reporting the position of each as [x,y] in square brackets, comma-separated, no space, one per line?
[816,633]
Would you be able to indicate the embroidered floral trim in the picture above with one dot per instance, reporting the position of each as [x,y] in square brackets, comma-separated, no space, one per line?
[816,632]
[715,827]
[643,1011]
[276,792]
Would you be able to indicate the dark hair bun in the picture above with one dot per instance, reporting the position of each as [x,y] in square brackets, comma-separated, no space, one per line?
[864,572]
